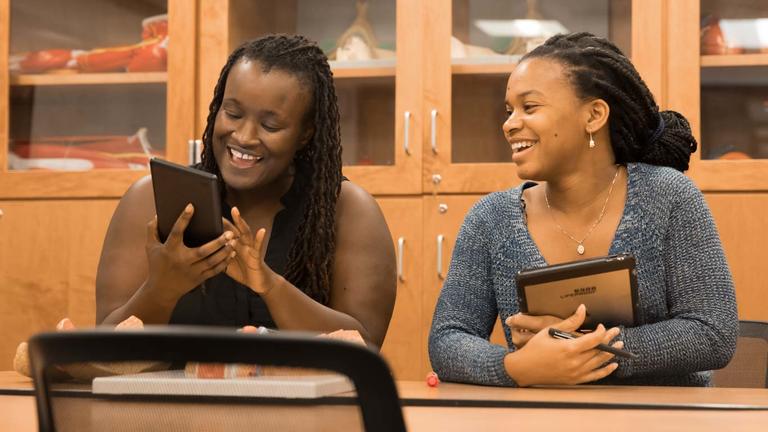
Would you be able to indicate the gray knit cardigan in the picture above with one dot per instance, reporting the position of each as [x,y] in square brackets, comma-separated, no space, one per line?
[688,323]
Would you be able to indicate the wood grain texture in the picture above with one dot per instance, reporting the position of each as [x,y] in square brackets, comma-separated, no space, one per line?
[90,78]
[649,37]
[741,221]
[180,111]
[5,11]
[446,224]
[49,251]
[403,345]
[213,40]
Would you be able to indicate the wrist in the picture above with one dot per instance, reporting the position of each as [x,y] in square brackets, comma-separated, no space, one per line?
[276,284]
[516,367]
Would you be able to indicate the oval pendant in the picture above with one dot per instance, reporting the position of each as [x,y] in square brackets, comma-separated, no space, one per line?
[580,249]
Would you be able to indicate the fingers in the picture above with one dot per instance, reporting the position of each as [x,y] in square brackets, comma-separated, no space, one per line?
[215,263]
[176,235]
[152,235]
[591,340]
[573,322]
[229,226]
[242,226]
[601,358]
[520,337]
[259,243]
[598,374]
[206,250]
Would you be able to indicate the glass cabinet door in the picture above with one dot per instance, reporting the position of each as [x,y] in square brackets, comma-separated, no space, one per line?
[362,41]
[734,74]
[88,90]
[484,39]
[727,44]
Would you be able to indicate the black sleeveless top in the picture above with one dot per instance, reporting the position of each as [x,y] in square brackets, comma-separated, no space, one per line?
[226,302]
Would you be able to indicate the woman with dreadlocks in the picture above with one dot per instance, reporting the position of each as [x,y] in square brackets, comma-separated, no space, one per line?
[603,170]
[304,249]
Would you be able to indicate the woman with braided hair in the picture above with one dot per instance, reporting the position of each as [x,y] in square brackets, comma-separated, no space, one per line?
[304,249]
[603,175]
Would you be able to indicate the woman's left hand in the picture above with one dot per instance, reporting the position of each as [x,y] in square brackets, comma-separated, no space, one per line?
[524,327]
[249,267]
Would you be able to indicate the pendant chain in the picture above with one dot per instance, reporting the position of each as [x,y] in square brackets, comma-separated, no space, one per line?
[580,248]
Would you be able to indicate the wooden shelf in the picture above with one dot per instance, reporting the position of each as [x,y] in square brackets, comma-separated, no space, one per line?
[363,72]
[476,69]
[89,79]
[734,60]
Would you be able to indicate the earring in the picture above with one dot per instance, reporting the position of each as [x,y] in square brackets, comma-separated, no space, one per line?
[591,141]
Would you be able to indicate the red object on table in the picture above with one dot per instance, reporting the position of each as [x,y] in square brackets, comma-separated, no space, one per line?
[432,379]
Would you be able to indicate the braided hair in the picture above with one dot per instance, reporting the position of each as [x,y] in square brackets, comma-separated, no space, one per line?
[639,132]
[318,163]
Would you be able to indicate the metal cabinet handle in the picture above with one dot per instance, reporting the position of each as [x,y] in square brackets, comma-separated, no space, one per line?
[195,145]
[406,132]
[433,130]
[440,239]
[400,250]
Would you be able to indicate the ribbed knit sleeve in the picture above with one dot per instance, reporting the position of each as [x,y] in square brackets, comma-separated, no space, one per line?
[701,325]
[466,311]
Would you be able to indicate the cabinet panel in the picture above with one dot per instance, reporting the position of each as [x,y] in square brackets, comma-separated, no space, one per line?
[472,49]
[711,66]
[741,222]
[49,252]
[379,98]
[403,346]
[87,105]
[443,216]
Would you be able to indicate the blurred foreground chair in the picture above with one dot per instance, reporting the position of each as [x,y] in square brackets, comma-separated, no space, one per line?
[376,406]
[749,366]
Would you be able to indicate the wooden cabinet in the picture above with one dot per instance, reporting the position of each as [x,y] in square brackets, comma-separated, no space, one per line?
[717,76]
[49,250]
[403,345]
[380,96]
[421,117]
[77,103]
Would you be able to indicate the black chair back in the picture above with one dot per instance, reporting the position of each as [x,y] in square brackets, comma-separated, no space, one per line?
[377,395]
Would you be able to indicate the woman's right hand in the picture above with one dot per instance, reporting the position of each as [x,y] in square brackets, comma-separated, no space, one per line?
[175,269]
[546,360]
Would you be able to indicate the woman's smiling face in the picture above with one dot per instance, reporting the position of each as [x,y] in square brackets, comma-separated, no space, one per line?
[546,120]
[261,124]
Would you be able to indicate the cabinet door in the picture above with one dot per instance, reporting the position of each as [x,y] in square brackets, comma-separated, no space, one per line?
[92,89]
[404,345]
[740,219]
[375,59]
[443,216]
[474,45]
[49,251]
[718,63]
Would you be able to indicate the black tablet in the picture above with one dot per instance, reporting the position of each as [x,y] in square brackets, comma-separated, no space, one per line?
[607,286]
[175,186]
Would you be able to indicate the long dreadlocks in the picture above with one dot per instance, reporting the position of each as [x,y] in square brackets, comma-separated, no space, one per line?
[310,260]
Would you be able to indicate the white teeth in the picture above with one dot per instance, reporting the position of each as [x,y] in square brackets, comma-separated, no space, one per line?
[239,155]
[522,145]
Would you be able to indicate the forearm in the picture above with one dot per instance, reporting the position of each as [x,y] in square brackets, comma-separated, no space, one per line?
[679,346]
[292,309]
[462,357]
[145,304]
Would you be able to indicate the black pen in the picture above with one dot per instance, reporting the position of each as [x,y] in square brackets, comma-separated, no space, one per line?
[559,334]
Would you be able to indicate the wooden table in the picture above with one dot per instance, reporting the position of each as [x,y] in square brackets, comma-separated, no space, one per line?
[451,407]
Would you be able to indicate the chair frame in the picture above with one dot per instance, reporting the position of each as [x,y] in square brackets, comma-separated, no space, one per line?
[758,330]
[376,391]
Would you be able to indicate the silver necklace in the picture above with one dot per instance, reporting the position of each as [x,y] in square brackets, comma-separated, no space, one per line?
[580,243]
